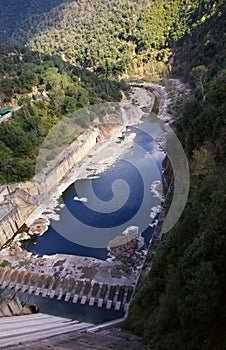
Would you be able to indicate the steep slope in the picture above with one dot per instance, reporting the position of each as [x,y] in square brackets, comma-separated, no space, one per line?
[113,38]
[14,12]
[42,89]
[91,34]
[182,305]
[110,37]
[205,43]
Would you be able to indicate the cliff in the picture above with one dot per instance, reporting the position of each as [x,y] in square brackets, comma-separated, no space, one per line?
[18,201]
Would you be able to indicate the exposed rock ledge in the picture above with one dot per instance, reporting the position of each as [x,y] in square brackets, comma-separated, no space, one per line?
[124,246]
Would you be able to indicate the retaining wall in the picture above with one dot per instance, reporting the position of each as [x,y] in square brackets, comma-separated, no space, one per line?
[78,291]
[20,200]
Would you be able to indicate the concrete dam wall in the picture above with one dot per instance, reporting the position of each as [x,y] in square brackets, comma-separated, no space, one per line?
[78,291]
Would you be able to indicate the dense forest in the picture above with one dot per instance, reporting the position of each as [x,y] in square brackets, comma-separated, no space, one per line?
[182,304]
[47,89]
[13,13]
[113,38]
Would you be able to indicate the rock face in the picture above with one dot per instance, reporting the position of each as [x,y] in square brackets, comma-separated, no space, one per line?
[18,201]
[49,178]
[39,226]
[125,245]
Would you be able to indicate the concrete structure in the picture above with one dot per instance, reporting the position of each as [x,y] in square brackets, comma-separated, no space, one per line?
[9,303]
[18,201]
[17,329]
[68,289]
[5,111]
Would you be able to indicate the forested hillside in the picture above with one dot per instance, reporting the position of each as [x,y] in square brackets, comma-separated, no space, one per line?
[183,303]
[47,89]
[14,12]
[114,38]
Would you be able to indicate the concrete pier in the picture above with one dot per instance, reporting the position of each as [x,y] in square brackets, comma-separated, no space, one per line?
[78,291]
[75,299]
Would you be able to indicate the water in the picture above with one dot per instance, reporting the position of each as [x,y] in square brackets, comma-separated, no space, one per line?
[67,309]
[119,198]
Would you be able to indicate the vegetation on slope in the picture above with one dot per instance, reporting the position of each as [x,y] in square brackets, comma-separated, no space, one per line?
[182,305]
[47,89]
[14,12]
[112,37]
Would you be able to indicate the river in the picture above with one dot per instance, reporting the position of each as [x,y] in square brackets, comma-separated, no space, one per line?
[98,206]
[118,198]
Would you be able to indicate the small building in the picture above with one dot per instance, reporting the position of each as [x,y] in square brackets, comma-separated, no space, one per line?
[5,111]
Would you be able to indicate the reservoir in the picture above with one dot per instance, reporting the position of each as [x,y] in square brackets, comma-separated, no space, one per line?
[116,199]
[95,210]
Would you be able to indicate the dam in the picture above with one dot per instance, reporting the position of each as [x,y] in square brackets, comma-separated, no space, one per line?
[78,291]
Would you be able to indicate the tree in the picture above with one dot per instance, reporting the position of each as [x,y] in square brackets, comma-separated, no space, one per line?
[199,75]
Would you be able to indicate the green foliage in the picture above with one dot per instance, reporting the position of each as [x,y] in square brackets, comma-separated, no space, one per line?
[204,119]
[13,13]
[204,44]
[95,34]
[4,263]
[182,305]
[47,89]
[110,37]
